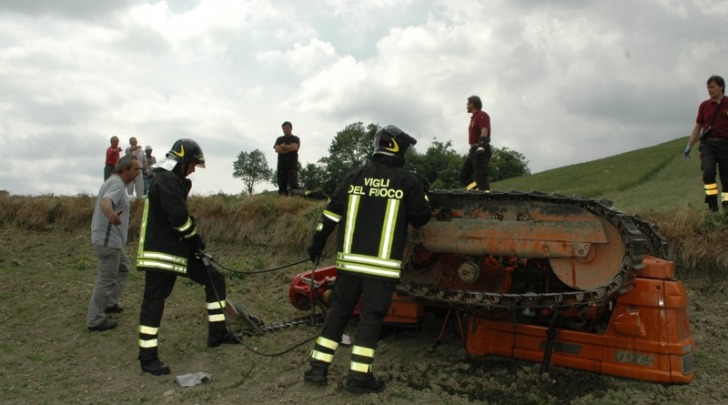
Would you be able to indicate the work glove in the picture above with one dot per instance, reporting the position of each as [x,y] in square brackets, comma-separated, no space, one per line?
[482,145]
[197,242]
[686,152]
[315,250]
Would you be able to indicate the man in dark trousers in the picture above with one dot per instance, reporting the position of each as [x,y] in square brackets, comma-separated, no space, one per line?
[711,125]
[372,207]
[474,173]
[286,147]
[170,246]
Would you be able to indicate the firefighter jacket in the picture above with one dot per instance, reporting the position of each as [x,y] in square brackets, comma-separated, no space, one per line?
[166,228]
[372,208]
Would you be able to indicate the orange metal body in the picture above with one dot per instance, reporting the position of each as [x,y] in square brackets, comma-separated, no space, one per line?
[647,335]
[303,291]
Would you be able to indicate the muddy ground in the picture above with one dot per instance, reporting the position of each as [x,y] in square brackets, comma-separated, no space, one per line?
[48,356]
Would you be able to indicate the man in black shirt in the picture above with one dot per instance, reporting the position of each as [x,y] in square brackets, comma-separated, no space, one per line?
[286,147]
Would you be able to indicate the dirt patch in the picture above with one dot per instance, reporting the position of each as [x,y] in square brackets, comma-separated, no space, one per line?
[47,356]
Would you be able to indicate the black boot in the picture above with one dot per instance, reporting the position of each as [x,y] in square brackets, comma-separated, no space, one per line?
[317,373]
[155,367]
[712,201]
[227,338]
[150,363]
[363,383]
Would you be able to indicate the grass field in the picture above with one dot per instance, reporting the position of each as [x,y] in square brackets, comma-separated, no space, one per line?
[654,179]
[47,268]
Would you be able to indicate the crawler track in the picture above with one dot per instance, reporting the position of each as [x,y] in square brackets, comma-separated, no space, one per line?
[506,211]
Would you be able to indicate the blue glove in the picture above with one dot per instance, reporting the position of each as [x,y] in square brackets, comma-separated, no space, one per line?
[686,152]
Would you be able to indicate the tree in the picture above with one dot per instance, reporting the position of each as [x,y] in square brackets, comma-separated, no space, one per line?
[440,165]
[312,176]
[351,148]
[506,164]
[251,167]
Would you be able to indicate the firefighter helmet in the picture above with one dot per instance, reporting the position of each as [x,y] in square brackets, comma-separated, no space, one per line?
[392,141]
[186,151]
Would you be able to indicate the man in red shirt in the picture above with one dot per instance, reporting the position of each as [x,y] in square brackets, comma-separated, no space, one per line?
[112,156]
[474,173]
[712,126]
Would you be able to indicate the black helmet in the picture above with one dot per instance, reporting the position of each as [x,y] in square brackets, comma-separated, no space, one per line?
[186,151]
[392,141]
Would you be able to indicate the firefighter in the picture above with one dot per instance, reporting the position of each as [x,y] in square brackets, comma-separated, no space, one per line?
[372,207]
[711,127]
[168,247]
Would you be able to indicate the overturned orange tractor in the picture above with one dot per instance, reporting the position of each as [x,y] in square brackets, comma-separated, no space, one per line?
[545,278]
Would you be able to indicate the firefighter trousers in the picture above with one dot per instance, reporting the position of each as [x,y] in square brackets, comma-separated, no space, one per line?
[158,286]
[714,161]
[376,294]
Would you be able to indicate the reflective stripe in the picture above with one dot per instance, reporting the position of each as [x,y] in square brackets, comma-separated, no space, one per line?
[161,266]
[362,351]
[186,226]
[148,343]
[215,305]
[390,222]
[369,260]
[360,367]
[151,255]
[325,357]
[162,261]
[148,330]
[368,265]
[216,318]
[143,231]
[711,189]
[327,343]
[724,197]
[332,216]
[375,271]
[351,213]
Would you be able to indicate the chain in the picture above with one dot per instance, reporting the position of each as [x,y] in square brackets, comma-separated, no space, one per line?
[257,327]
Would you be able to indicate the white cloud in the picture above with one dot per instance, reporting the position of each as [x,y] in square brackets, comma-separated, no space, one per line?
[302,59]
[564,82]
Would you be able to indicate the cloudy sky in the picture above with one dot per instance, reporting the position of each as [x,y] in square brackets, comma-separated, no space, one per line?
[564,81]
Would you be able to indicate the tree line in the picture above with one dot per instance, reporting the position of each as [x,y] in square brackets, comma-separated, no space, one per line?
[353,146]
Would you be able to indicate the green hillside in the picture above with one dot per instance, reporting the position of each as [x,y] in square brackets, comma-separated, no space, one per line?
[653,179]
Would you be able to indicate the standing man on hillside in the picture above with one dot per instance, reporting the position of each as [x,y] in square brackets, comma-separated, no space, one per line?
[109,229]
[138,184]
[373,207]
[474,173]
[170,246]
[148,172]
[112,156]
[286,147]
[712,126]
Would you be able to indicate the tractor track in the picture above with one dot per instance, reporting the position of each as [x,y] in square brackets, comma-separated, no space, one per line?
[638,238]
